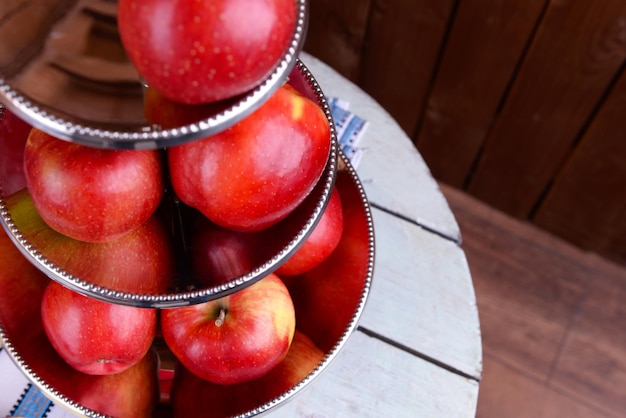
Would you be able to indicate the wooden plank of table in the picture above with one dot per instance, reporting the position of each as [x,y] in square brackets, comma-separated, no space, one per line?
[10,388]
[366,379]
[394,174]
[485,45]
[422,296]
[370,378]
[577,52]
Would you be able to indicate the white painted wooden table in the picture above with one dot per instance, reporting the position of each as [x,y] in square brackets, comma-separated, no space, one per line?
[417,351]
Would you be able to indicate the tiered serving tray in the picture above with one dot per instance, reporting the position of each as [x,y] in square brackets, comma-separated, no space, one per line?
[342,281]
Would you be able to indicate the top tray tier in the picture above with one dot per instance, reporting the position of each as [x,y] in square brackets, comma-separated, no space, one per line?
[69,76]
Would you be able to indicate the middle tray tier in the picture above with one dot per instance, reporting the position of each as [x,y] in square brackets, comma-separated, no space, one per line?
[271,247]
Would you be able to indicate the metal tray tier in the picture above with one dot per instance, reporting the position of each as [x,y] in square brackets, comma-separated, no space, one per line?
[50,78]
[285,237]
[342,281]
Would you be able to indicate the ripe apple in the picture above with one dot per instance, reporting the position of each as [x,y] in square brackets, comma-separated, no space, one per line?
[13,135]
[235,338]
[203,51]
[192,396]
[141,261]
[321,243]
[93,336]
[133,392]
[327,296]
[130,393]
[253,174]
[219,254]
[91,194]
[21,288]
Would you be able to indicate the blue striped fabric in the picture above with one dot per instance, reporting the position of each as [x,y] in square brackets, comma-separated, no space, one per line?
[350,129]
[32,404]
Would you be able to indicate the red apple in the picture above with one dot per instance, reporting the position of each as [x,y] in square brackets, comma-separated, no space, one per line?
[327,296]
[21,288]
[194,397]
[219,254]
[91,194]
[141,261]
[235,338]
[204,51]
[255,173]
[93,336]
[13,135]
[321,243]
[131,393]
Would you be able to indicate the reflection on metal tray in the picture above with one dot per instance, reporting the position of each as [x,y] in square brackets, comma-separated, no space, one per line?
[63,69]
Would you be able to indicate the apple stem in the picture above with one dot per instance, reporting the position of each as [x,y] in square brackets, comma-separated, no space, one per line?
[220,319]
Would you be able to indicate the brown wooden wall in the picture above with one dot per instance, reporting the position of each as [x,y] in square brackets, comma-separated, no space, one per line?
[520,103]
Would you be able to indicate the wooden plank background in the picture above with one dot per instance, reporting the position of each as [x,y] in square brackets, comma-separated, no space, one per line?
[471,81]
[576,206]
[518,103]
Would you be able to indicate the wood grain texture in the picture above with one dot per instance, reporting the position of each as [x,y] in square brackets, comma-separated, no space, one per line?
[403,43]
[504,392]
[362,384]
[393,173]
[419,276]
[552,319]
[525,281]
[587,203]
[577,51]
[358,383]
[423,280]
[486,42]
[593,359]
[500,104]
[336,33]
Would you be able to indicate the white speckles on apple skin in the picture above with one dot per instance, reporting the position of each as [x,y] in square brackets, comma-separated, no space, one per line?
[241,39]
[73,186]
[255,173]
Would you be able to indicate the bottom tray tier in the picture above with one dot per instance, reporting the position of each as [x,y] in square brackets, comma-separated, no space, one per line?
[328,301]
